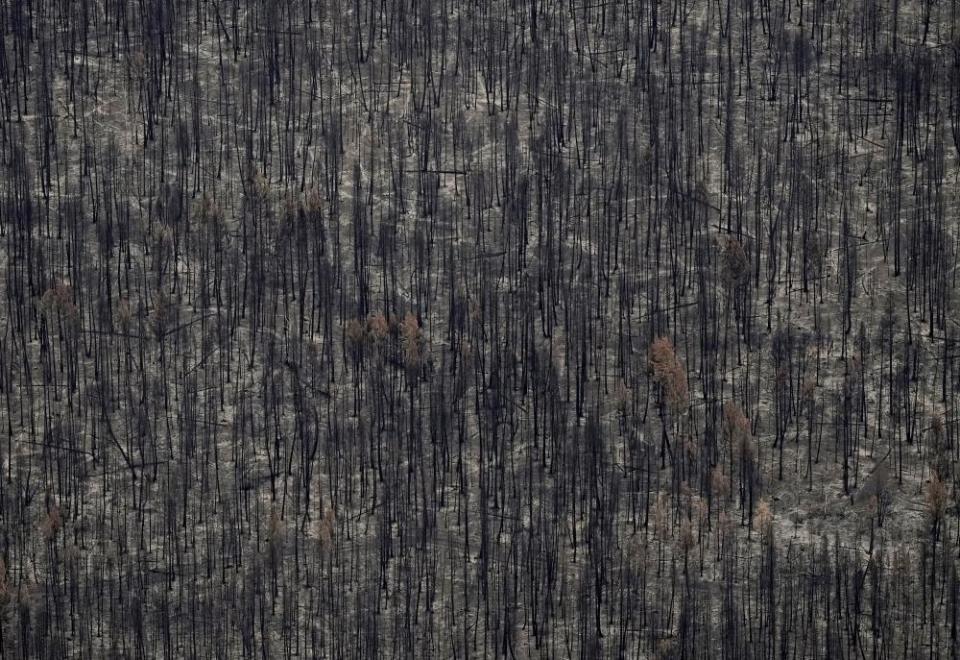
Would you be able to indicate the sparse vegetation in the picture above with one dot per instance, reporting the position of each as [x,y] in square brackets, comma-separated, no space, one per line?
[458,330]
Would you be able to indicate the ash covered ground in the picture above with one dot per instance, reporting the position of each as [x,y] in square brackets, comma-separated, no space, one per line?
[441,329]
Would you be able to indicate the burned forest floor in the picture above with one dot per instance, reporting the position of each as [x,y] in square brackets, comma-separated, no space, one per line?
[435,329]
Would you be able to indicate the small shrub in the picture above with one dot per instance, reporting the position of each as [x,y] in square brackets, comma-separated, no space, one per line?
[259,186]
[58,299]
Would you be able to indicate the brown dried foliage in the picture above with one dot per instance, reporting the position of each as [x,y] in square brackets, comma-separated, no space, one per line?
[312,201]
[51,523]
[877,485]
[937,426]
[276,531]
[661,516]
[355,332]
[6,591]
[668,371]
[163,235]
[936,497]
[734,261]
[162,314]
[327,527]
[378,327]
[736,425]
[719,482]
[259,186]
[410,341]
[291,206]
[59,298]
[209,211]
[763,520]
[124,314]
[687,538]
[622,395]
